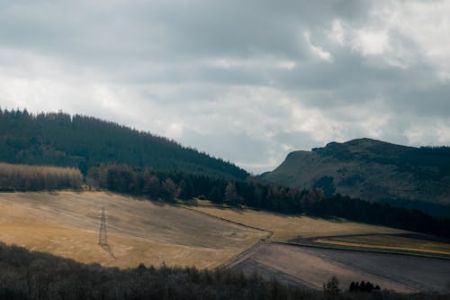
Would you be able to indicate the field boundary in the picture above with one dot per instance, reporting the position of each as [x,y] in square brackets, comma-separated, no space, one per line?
[269,232]
[235,260]
[360,249]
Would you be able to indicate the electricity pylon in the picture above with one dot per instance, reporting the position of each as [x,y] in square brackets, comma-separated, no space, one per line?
[102,233]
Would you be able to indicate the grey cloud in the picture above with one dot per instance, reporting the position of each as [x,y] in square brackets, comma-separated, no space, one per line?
[234,78]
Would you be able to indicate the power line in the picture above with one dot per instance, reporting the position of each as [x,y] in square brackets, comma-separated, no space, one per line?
[102,233]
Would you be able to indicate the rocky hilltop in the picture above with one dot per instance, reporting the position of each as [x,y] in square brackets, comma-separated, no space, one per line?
[373,170]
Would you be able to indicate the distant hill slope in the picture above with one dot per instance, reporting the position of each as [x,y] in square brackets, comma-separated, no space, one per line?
[79,141]
[373,170]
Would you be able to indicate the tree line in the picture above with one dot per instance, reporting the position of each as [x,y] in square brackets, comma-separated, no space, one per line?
[37,178]
[258,195]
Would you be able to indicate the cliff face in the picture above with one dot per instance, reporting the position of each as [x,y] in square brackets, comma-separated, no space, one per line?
[374,171]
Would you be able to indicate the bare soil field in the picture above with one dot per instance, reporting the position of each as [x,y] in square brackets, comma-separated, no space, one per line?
[310,267]
[66,224]
[285,228]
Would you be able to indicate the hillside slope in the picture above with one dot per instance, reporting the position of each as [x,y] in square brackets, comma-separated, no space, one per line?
[67,224]
[79,141]
[373,170]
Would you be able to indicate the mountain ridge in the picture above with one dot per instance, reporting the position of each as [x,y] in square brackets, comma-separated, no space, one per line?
[371,170]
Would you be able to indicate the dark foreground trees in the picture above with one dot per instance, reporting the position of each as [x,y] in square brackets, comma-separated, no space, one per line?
[363,287]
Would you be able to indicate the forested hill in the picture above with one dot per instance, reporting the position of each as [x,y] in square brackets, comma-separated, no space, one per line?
[373,170]
[79,141]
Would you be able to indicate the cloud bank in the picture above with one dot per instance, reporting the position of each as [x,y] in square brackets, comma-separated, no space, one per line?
[247,81]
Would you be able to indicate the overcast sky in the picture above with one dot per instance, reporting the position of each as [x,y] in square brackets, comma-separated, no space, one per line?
[247,81]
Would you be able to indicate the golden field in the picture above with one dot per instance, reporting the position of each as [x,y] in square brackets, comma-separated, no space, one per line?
[66,224]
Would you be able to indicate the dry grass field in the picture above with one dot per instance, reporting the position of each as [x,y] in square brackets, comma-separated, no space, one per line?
[390,242]
[66,224]
[285,228]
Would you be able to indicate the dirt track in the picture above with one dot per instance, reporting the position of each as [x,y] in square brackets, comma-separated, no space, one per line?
[312,266]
